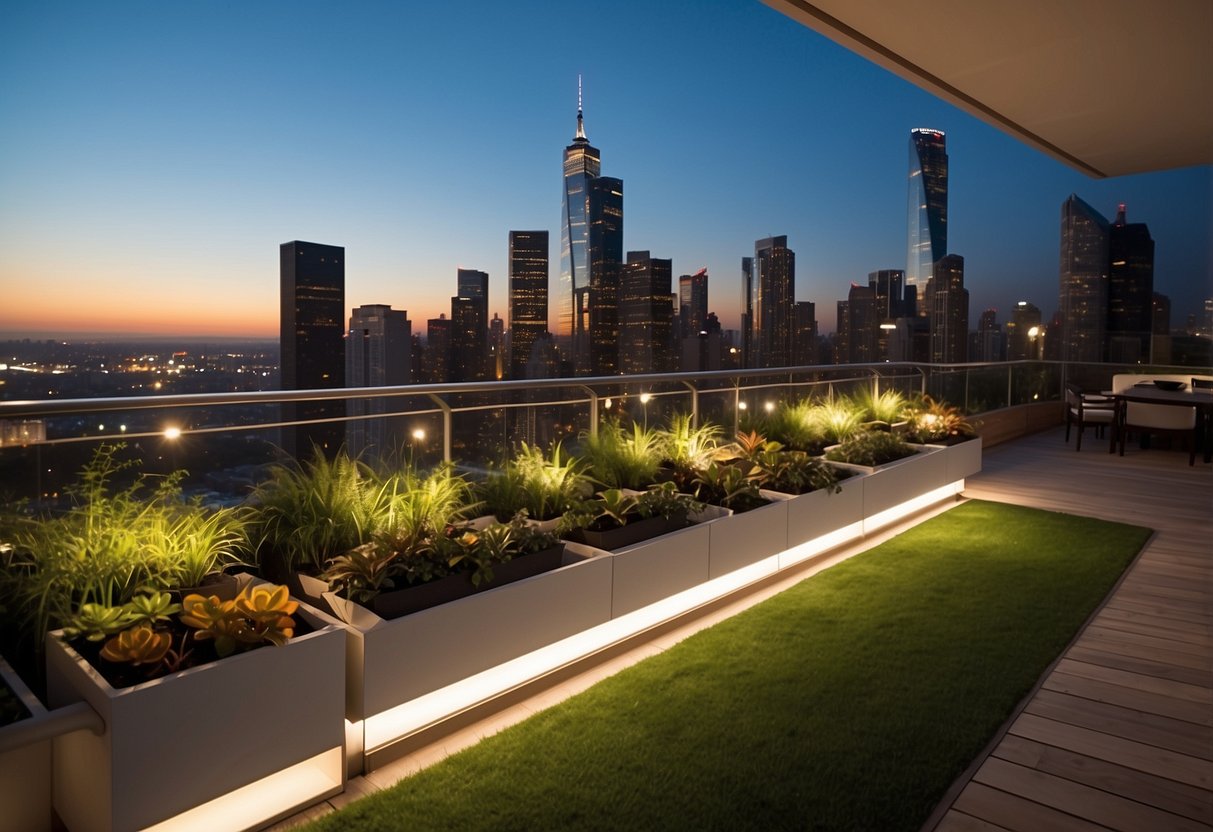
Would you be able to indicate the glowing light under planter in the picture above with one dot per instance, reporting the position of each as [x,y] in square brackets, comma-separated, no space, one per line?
[387,727]
[265,800]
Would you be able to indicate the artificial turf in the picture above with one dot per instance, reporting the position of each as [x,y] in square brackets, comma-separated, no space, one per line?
[850,701]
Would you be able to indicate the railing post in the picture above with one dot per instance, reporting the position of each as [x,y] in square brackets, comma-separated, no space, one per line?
[736,406]
[1010,367]
[593,410]
[446,425]
[694,403]
[967,376]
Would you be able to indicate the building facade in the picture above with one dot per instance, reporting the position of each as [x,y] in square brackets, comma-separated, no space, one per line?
[312,341]
[774,285]
[1130,290]
[378,353]
[948,305]
[646,315]
[1083,296]
[606,263]
[528,296]
[692,303]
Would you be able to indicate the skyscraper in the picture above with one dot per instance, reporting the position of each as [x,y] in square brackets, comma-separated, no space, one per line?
[606,262]
[948,305]
[438,349]
[774,285]
[582,164]
[528,306]
[646,314]
[378,353]
[928,207]
[888,284]
[863,325]
[470,328]
[692,303]
[312,329]
[989,344]
[748,355]
[1130,290]
[804,337]
[1083,300]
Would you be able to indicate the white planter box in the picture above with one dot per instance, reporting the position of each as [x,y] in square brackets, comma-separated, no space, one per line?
[963,459]
[242,742]
[819,513]
[742,539]
[391,662]
[896,482]
[25,773]
[654,569]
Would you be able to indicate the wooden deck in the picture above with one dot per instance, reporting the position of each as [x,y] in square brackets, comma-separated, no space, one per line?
[1120,733]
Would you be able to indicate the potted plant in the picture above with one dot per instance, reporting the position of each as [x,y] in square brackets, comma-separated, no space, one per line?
[616,518]
[897,470]
[936,423]
[166,677]
[882,411]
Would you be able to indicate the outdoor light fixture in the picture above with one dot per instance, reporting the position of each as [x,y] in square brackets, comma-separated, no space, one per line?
[418,434]
[645,398]
[607,403]
[172,432]
[741,405]
[887,324]
[769,406]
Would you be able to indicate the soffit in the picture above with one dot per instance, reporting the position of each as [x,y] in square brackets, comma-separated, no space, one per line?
[1111,87]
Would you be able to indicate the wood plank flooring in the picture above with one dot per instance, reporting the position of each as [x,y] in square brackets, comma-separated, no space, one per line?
[1119,734]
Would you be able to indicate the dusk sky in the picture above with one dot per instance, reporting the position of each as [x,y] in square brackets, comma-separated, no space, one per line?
[154,155]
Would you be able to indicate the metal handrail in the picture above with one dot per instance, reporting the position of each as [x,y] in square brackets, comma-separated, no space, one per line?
[79,716]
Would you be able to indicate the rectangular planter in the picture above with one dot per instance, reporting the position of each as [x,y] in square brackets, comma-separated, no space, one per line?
[662,566]
[963,458]
[218,732]
[25,773]
[742,539]
[821,512]
[394,661]
[895,482]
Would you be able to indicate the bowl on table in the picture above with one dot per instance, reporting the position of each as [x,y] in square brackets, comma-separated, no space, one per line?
[1164,384]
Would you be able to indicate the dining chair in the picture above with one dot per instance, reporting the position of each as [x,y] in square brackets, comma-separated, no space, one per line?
[1083,410]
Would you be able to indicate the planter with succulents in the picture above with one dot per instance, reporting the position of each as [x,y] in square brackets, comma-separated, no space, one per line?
[25,770]
[227,710]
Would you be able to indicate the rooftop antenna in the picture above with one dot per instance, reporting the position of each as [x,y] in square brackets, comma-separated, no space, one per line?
[580,126]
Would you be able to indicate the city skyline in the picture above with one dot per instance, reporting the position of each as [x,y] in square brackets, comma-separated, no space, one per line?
[147,194]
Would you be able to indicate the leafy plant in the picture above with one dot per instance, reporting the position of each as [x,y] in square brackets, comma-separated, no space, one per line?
[545,487]
[728,485]
[619,458]
[871,448]
[110,544]
[932,421]
[887,407]
[152,608]
[306,514]
[363,572]
[796,472]
[687,447]
[419,508]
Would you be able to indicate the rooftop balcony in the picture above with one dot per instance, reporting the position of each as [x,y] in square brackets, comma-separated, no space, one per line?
[473,424]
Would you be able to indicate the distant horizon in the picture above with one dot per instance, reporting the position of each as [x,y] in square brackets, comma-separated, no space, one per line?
[164,216]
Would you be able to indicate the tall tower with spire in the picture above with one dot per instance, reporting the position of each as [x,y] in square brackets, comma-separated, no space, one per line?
[582,164]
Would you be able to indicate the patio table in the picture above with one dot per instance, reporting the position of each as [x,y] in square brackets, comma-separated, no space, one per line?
[1201,400]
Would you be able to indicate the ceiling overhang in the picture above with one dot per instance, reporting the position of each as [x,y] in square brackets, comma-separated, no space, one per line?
[1110,87]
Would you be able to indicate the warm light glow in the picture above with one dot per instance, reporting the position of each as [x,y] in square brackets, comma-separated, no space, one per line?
[645,397]
[741,405]
[769,406]
[607,403]
[418,434]
[293,787]
[172,432]
[1033,332]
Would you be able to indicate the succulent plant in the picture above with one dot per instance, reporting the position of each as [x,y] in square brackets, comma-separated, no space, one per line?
[96,622]
[139,645]
[152,607]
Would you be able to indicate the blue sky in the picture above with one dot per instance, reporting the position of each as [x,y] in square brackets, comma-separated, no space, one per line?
[154,155]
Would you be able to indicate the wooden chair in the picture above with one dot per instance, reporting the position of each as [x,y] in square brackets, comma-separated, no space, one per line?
[1084,410]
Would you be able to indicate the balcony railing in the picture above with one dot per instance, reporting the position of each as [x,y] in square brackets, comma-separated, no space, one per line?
[224,439]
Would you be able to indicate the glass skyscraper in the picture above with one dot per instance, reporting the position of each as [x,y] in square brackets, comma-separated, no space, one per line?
[582,164]
[928,207]
[1130,290]
[774,286]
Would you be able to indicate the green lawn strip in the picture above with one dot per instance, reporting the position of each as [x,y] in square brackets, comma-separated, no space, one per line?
[850,701]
